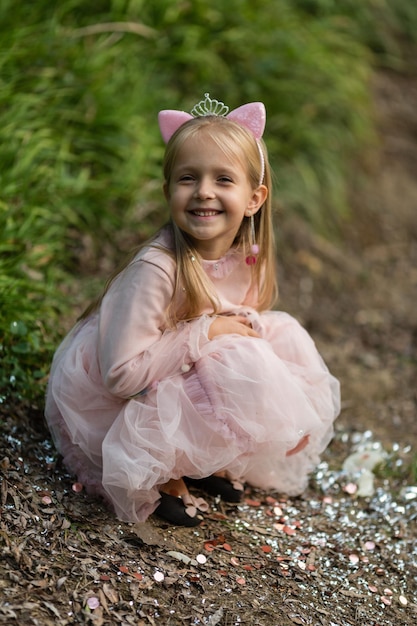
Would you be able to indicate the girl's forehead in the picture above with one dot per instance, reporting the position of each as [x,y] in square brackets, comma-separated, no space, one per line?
[216,147]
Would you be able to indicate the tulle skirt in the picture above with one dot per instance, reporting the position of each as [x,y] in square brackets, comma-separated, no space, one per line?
[242,406]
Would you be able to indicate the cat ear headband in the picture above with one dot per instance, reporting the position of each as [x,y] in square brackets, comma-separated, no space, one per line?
[252,116]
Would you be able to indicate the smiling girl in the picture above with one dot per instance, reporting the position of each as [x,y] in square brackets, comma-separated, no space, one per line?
[180,376]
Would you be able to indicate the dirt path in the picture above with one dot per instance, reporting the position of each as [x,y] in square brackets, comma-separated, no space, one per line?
[329,558]
[372,292]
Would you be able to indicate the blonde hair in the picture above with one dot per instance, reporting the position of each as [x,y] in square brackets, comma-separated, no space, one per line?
[193,291]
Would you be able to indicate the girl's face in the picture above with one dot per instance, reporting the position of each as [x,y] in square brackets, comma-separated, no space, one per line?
[209,194]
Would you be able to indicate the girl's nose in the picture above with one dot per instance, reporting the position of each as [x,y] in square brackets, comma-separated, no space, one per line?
[204,189]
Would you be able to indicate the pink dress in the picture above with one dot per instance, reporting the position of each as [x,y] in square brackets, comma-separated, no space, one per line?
[132,403]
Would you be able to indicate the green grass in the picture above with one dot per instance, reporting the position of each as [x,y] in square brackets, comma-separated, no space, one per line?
[80,151]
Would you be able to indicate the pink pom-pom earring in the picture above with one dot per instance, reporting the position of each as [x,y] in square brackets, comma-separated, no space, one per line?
[254,248]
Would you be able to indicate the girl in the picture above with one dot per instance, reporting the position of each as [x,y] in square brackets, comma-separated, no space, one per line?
[179,376]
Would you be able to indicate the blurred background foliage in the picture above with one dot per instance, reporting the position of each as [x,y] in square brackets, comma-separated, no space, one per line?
[80,151]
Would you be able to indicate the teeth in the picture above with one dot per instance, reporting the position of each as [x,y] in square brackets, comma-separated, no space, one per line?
[205,213]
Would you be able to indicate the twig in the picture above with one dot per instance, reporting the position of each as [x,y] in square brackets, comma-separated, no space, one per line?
[115,27]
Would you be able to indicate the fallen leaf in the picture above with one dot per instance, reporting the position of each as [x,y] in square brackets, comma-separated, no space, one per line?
[215,618]
[52,608]
[103,600]
[111,593]
[179,556]
[148,534]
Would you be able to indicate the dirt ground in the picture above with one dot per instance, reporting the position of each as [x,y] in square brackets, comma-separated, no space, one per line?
[332,557]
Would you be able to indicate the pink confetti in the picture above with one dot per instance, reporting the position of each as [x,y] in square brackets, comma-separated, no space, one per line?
[270,500]
[46,500]
[200,558]
[93,603]
[77,487]
[350,488]
[369,545]
[159,577]
[386,600]
[353,558]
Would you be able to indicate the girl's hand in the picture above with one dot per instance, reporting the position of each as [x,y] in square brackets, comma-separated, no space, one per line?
[231,324]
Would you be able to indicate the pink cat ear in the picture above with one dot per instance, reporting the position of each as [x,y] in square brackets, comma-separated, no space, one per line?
[252,116]
[170,120]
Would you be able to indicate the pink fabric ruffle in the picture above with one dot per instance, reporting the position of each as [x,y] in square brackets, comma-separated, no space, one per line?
[243,404]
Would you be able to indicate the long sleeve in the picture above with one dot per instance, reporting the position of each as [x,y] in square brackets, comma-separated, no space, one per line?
[135,347]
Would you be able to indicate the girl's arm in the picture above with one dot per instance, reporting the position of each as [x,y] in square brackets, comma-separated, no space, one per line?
[231,324]
[135,349]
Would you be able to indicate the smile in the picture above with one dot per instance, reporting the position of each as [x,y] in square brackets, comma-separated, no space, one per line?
[207,213]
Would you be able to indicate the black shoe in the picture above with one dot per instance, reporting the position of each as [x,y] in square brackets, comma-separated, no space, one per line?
[174,511]
[216,486]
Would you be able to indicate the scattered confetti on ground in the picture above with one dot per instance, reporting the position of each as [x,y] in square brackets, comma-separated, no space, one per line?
[269,560]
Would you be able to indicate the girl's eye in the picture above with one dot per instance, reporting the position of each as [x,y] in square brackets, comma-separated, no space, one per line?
[225,179]
[186,178]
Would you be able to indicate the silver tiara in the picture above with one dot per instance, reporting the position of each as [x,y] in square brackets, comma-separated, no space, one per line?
[209,107]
